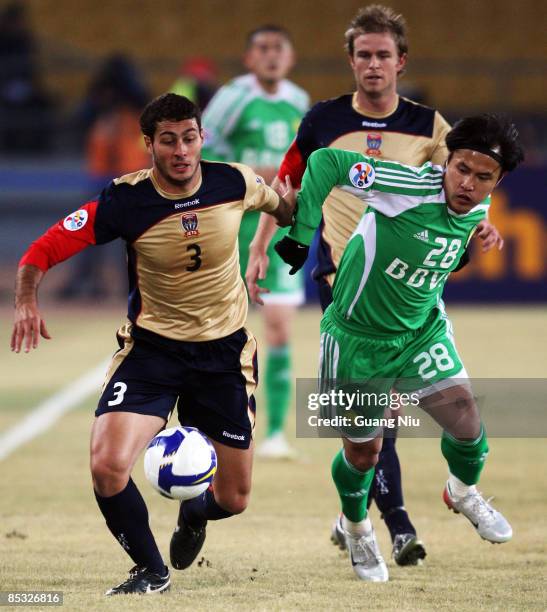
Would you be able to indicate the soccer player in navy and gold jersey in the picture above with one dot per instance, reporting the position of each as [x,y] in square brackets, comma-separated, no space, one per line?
[184,344]
[376,121]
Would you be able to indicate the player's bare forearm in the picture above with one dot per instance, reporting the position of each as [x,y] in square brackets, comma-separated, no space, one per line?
[257,266]
[264,233]
[28,324]
[266,227]
[26,284]
[287,202]
[283,214]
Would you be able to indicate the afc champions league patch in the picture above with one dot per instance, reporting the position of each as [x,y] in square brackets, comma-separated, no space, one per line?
[76,220]
[190,224]
[374,142]
[361,175]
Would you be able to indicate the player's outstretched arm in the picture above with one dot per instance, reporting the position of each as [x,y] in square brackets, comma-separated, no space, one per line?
[259,261]
[28,323]
[257,266]
[326,168]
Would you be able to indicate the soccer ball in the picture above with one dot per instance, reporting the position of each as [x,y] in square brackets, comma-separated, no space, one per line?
[180,462]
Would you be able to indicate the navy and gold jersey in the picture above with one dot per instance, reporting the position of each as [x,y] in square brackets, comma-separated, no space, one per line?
[183,265]
[410,133]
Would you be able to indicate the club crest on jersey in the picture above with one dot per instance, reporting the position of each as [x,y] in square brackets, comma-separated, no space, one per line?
[76,220]
[374,142]
[190,224]
[361,175]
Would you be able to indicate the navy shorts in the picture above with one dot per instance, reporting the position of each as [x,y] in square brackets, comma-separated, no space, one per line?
[211,383]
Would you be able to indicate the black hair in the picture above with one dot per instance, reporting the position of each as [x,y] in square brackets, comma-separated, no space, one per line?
[267,28]
[492,134]
[168,107]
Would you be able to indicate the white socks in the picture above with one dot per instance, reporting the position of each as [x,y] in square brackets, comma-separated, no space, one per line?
[359,529]
[457,488]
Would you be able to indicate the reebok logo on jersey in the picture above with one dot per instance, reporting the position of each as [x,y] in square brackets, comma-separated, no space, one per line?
[76,220]
[423,235]
[194,202]
[373,124]
[361,175]
[232,436]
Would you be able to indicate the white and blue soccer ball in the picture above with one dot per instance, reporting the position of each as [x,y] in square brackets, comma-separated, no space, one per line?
[180,462]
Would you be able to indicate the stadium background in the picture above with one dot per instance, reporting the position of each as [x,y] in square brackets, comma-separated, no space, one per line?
[465,57]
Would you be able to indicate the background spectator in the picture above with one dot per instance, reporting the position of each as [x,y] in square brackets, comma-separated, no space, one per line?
[26,109]
[197,80]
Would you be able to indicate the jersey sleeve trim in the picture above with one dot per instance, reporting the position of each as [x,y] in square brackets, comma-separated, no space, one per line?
[63,240]
[293,164]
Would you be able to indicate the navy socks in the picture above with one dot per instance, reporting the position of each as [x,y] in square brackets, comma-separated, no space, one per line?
[126,516]
[196,512]
[387,491]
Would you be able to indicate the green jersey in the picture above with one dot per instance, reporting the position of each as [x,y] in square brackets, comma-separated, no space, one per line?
[394,267]
[245,124]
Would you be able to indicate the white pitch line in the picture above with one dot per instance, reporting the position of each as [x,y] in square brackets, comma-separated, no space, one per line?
[45,414]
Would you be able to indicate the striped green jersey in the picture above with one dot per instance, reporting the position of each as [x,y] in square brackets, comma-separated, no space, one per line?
[245,124]
[394,267]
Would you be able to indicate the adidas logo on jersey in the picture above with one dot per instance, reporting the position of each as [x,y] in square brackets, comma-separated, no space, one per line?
[423,235]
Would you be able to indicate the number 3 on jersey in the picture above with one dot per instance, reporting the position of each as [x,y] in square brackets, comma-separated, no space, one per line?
[195,249]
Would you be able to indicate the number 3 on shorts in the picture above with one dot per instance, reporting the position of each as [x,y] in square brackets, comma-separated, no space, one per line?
[119,391]
[438,354]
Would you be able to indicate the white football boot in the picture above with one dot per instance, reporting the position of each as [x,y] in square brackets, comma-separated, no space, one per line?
[337,534]
[275,447]
[365,556]
[490,524]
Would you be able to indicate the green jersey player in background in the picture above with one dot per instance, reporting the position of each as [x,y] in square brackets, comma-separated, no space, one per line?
[253,120]
[386,325]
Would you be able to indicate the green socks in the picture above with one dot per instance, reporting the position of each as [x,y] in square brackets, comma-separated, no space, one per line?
[465,459]
[278,387]
[353,487]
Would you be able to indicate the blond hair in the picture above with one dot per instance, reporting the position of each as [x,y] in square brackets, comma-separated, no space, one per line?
[377,18]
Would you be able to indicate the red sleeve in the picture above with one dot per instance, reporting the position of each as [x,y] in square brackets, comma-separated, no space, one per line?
[293,164]
[64,239]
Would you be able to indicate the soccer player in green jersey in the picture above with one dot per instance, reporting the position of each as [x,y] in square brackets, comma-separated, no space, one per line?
[377,121]
[253,120]
[387,325]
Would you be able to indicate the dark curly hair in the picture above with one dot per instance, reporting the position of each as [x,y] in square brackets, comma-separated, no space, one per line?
[489,133]
[168,107]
